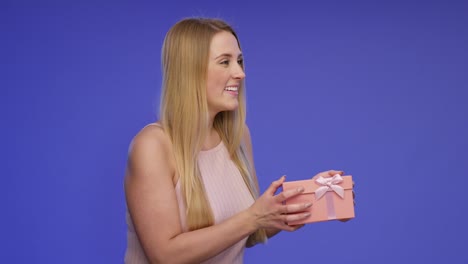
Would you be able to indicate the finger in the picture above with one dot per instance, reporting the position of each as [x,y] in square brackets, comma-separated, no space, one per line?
[284,195]
[297,227]
[327,174]
[334,172]
[281,225]
[295,217]
[285,227]
[294,208]
[275,185]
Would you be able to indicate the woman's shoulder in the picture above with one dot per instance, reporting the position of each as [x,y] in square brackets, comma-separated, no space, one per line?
[151,132]
[150,140]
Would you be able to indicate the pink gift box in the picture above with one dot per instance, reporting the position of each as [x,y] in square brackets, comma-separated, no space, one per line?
[332,198]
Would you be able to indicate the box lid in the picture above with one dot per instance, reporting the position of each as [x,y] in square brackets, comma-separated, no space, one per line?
[310,185]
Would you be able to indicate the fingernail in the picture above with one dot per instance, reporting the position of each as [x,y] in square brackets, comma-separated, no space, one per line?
[306,214]
[300,189]
[307,205]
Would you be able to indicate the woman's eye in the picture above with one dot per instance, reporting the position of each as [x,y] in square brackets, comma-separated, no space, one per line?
[226,62]
[241,62]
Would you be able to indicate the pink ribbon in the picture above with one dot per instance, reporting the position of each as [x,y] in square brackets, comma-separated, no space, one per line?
[329,184]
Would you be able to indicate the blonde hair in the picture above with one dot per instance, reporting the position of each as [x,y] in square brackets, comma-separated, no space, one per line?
[184,115]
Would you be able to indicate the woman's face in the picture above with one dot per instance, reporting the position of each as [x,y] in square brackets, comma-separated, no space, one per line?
[225,73]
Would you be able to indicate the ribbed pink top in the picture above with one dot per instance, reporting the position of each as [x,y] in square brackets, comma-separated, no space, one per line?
[227,194]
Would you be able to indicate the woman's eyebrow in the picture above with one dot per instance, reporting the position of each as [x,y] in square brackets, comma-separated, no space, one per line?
[229,55]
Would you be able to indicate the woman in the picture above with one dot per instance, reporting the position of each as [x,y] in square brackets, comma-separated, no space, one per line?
[191,189]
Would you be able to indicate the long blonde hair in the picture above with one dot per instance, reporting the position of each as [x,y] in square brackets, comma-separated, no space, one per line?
[184,115]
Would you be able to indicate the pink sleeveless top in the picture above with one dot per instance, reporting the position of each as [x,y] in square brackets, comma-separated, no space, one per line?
[227,194]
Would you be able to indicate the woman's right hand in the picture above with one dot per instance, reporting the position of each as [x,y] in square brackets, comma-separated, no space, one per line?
[270,212]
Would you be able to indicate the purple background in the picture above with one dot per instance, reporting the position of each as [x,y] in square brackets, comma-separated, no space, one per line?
[375,88]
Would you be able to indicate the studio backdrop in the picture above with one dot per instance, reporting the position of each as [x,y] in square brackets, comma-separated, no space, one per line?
[375,88]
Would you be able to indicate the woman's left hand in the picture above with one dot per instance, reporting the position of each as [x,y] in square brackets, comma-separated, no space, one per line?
[327,174]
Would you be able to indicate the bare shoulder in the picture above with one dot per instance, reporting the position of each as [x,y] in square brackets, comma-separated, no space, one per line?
[149,137]
[149,147]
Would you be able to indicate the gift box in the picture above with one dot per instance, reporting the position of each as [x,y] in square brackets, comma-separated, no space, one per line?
[332,198]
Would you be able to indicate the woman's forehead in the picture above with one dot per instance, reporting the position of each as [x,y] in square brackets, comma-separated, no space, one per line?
[224,43]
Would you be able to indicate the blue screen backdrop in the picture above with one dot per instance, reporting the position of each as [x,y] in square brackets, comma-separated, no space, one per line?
[375,88]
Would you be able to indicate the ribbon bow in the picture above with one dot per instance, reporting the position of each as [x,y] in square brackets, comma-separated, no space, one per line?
[329,184]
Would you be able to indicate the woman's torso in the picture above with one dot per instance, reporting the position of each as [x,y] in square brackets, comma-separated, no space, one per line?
[227,194]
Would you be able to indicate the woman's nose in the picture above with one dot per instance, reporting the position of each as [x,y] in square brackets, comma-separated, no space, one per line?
[238,72]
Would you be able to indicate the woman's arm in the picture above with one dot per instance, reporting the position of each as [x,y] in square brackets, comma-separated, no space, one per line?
[153,207]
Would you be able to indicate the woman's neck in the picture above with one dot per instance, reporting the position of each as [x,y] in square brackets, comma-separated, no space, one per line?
[212,139]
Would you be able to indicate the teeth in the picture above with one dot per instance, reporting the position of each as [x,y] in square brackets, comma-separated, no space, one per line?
[231,89]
